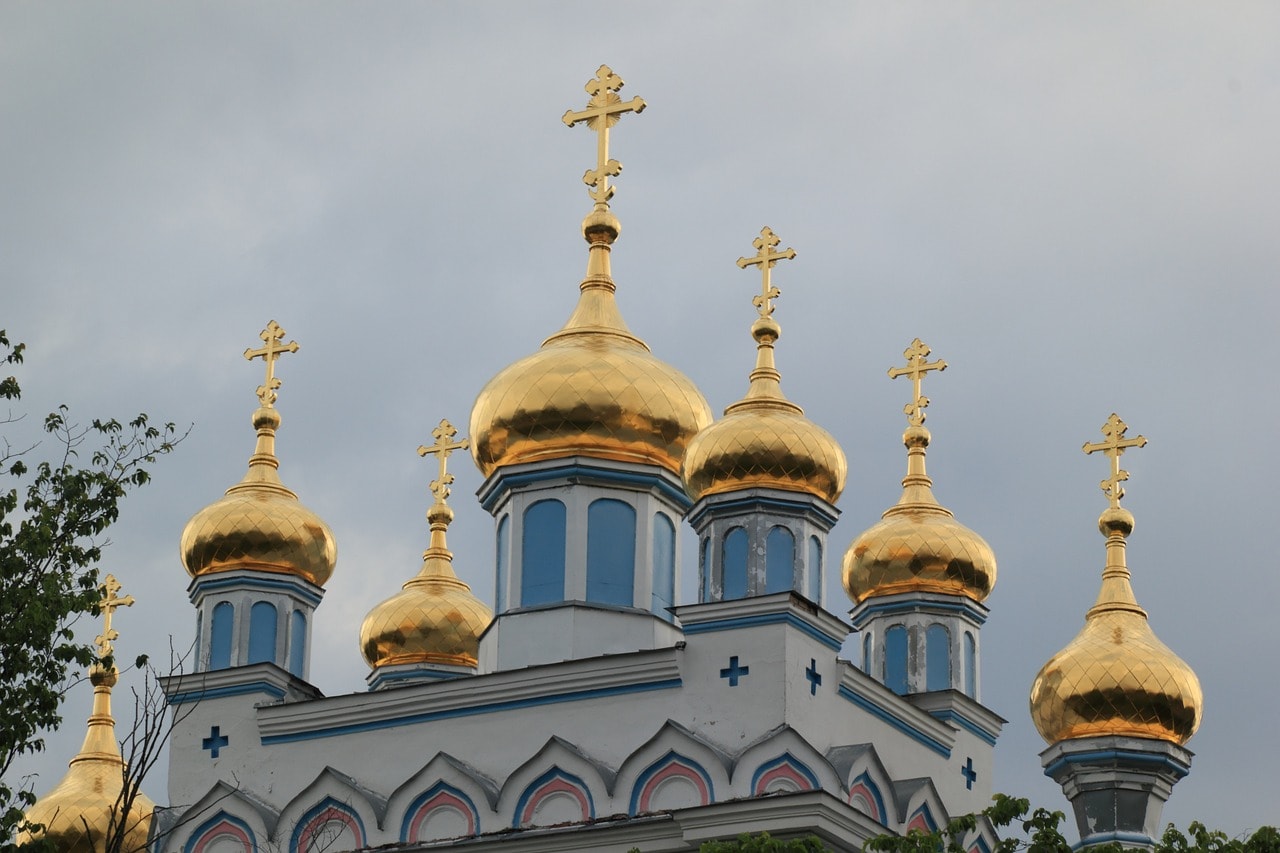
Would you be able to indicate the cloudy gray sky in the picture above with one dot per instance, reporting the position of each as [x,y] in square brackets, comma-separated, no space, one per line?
[1074,204]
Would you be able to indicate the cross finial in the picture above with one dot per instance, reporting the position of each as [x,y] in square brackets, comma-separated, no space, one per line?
[603,111]
[917,366]
[442,448]
[107,607]
[765,257]
[1114,446]
[271,336]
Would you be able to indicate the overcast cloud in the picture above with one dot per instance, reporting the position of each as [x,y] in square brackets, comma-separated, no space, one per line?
[1074,204]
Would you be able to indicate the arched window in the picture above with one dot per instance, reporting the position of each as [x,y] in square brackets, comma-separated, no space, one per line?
[262,632]
[704,571]
[297,642]
[937,657]
[779,560]
[970,665]
[220,635]
[895,659]
[815,570]
[611,552]
[734,560]
[664,565]
[500,569]
[866,653]
[542,554]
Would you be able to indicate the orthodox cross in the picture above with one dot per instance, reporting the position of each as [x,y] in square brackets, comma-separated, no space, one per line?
[917,366]
[765,257]
[1114,447]
[271,336]
[442,448]
[603,111]
[107,607]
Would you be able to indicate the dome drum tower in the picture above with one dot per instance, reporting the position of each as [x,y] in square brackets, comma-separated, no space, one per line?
[918,578]
[1116,705]
[764,477]
[258,558]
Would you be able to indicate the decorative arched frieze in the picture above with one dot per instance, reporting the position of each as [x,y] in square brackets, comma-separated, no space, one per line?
[674,769]
[333,812]
[222,833]
[445,795]
[224,820]
[919,806]
[867,783]
[559,784]
[782,761]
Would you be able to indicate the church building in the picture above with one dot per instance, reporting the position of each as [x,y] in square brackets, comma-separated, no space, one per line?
[586,707]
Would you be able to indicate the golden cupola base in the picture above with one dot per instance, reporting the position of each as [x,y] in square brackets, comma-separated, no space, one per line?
[431,628]
[92,809]
[1116,705]
[918,577]
[764,477]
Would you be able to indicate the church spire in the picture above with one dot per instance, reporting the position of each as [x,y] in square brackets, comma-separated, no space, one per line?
[83,812]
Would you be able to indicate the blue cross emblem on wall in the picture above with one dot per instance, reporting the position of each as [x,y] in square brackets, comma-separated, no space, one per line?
[215,741]
[815,678]
[970,775]
[733,672]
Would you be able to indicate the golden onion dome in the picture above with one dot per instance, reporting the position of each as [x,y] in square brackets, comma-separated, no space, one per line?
[764,439]
[435,618]
[918,546]
[593,389]
[81,812]
[260,524]
[1116,677]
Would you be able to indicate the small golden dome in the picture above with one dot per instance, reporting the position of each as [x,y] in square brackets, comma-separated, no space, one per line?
[435,618]
[918,546]
[765,440]
[1116,677]
[593,389]
[82,811]
[260,524]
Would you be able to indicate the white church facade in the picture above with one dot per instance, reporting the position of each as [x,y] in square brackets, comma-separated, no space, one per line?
[585,708]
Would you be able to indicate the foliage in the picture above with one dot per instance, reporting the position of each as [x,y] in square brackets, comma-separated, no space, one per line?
[763,843]
[1043,834]
[52,521]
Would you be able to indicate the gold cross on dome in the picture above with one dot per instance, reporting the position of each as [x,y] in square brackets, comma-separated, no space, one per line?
[271,336]
[917,366]
[1114,447]
[442,448]
[603,111]
[107,607]
[765,257]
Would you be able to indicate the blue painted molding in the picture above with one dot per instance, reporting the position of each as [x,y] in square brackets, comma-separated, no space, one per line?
[550,776]
[948,715]
[791,619]
[672,757]
[220,817]
[505,482]
[441,787]
[248,687]
[473,710]
[895,721]
[788,760]
[750,503]
[889,608]
[1098,755]
[218,582]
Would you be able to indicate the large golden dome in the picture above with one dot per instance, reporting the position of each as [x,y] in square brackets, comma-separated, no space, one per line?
[764,439]
[435,618]
[918,546]
[1116,677]
[593,389]
[260,524]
